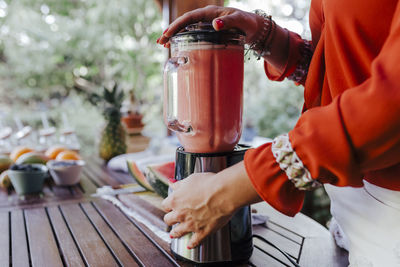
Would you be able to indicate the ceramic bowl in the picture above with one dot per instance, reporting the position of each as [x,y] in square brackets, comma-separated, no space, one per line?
[65,172]
[28,181]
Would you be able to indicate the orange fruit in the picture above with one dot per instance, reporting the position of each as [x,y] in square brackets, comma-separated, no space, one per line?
[53,151]
[19,151]
[68,155]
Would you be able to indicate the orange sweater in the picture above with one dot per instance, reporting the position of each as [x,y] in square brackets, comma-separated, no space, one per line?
[350,127]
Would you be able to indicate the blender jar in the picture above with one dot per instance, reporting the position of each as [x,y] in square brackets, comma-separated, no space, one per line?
[203,88]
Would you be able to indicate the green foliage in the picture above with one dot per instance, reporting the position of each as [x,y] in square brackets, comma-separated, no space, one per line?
[273,107]
[46,45]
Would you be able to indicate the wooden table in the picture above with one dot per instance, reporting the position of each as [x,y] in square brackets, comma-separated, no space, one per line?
[65,226]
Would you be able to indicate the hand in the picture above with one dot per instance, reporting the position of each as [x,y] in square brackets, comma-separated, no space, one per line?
[197,206]
[225,18]
[221,17]
[204,202]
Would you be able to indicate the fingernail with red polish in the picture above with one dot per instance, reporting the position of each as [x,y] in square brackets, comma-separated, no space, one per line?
[165,30]
[188,247]
[171,236]
[219,23]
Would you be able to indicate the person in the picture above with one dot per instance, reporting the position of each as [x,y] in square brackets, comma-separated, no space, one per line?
[347,138]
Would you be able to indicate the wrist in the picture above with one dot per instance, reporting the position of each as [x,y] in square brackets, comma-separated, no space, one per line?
[221,196]
[265,33]
[234,189]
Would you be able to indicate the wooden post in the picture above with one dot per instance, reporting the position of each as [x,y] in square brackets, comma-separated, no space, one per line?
[171,9]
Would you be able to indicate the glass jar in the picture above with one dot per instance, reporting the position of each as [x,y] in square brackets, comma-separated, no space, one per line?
[203,88]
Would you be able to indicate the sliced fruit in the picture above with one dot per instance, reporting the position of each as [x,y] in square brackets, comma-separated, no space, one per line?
[68,155]
[31,158]
[164,171]
[19,151]
[5,162]
[5,181]
[138,176]
[159,176]
[53,151]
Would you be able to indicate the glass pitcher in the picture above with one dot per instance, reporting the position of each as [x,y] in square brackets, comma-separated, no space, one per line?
[203,88]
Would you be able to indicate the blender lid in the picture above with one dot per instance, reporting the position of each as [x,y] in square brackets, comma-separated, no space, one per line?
[207,27]
[204,31]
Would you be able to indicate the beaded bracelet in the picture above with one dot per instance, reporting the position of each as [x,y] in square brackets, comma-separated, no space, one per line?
[263,43]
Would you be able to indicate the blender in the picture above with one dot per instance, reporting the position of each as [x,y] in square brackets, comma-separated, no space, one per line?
[203,103]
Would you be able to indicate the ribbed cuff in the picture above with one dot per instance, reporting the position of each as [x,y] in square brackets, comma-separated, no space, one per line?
[270,182]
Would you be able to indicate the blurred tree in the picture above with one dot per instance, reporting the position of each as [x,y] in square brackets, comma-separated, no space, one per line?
[45,45]
[273,107]
[48,46]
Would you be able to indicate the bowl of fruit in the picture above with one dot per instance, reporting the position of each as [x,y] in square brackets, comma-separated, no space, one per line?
[65,172]
[27,178]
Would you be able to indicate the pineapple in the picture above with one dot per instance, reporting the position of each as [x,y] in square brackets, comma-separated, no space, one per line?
[112,139]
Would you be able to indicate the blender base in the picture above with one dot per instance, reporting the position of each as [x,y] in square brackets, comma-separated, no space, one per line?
[233,242]
[216,264]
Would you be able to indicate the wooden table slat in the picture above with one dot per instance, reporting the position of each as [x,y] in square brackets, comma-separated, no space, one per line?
[42,245]
[99,175]
[5,238]
[3,197]
[119,177]
[271,251]
[285,232]
[87,185]
[93,178]
[123,178]
[75,190]
[316,238]
[67,245]
[47,192]
[148,254]
[259,258]
[145,209]
[291,247]
[313,255]
[60,191]
[19,245]
[91,245]
[109,236]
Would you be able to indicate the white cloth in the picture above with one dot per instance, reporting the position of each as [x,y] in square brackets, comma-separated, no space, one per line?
[368,221]
[130,212]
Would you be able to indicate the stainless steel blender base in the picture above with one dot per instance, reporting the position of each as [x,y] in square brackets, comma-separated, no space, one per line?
[211,250]
[233,242]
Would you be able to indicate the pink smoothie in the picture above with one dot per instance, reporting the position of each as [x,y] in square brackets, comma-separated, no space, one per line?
[209,97]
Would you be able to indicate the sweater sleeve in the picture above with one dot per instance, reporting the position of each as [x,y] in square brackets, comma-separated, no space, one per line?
[295,56]
[270,182]
[358,132]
